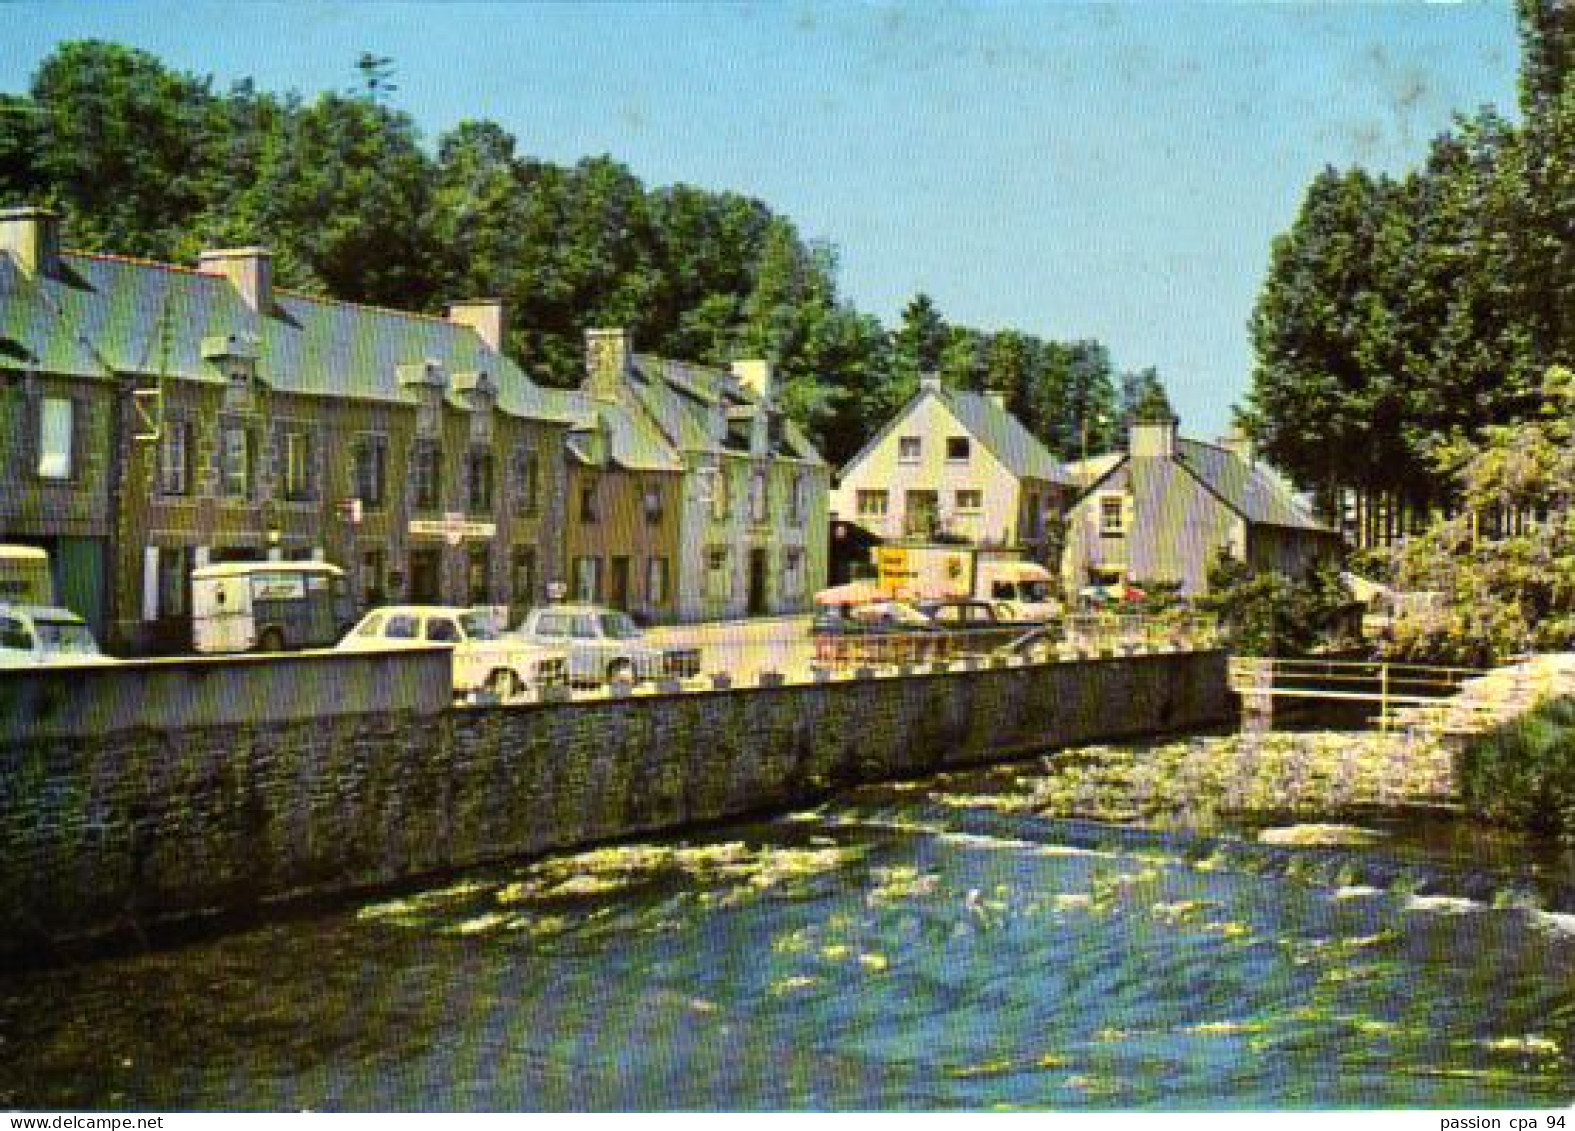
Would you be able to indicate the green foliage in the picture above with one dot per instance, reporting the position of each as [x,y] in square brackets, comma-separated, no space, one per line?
[1523,772]
[1266,613]
[144,160]
[1402,315]
[1502,568]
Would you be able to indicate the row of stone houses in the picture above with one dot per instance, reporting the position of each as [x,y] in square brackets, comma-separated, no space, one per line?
[156,418]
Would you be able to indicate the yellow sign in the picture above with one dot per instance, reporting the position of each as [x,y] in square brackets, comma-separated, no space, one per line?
[893,567]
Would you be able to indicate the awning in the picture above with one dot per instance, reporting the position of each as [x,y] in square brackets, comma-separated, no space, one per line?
[1021,571]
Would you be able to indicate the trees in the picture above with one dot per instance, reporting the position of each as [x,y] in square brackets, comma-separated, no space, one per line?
[1503,566]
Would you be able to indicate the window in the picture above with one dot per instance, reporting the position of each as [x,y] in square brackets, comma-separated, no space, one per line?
[174,572]
[588,508]
[479,570]
[175,458]
[588,580]
[295,453]
[970,500]
[651,501]
[235,461]
[908,449]
[656,581]
[425,475]
[478,480]
[759,501]
[552,624]
[797,500]
[718,583]
[792,572]
[442,630]
[527,477]
[56,436]
[14,635]
[719,493]
[369,470]
[372,568]
[402,627]
[1112,514]
[957,449]
[522,583]
[873,504]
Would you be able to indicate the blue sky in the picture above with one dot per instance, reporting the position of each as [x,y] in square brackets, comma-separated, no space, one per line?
[1114,171]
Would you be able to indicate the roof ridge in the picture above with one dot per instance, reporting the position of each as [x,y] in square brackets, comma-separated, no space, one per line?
[137,261]
[416,314]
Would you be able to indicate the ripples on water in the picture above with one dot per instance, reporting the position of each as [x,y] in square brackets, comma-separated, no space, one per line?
[884,952]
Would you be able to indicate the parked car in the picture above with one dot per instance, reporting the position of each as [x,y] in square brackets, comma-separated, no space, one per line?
[604,644]
[36,635]
[875,632]
[977,626]
[484,659]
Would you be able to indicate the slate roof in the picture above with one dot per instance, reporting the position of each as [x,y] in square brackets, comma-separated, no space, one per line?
[1249,489]
[99,315]
[633,442]
[684,401]
[1001,433]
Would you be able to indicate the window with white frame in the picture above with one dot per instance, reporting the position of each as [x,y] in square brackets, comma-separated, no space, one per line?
[792,572]
[719,493]
[426,475]
[718,581]
[798,499]
[957,449]
[1112,514]
[651,501]
[235,460]
[56,437]
[656,581]
[369,470]
[908,449]
[295,454]
[873,504]
[175,458]
[759,503]
[588,579]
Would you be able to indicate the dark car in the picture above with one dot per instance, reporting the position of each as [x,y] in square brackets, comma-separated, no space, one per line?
[975,626]
[883,632]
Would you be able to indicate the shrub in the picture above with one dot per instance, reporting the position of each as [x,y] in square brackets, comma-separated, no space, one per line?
[1523,772]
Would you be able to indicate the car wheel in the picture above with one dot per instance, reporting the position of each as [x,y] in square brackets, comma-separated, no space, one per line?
[505,684]
[620,669]
[271,641]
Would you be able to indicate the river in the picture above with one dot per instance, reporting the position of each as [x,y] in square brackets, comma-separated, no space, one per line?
[904,947]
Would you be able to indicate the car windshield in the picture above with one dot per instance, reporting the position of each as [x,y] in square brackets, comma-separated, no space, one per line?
[479,626]
[619,626]
[65,636]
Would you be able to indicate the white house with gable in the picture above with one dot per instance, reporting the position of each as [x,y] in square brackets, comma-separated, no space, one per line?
[955,464]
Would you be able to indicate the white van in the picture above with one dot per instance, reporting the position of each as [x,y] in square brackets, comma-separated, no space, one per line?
[268,606]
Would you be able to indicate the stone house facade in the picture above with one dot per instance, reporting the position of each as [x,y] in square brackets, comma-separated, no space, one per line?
[752,503]
[209,416]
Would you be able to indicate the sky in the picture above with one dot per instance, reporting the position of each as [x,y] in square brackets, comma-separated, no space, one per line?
[1073,170]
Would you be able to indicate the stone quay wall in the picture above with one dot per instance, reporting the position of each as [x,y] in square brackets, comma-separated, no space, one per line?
[134,817]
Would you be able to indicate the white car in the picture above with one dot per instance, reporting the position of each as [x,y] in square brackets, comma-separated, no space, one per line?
[604,644]
[483,658]
[38,635]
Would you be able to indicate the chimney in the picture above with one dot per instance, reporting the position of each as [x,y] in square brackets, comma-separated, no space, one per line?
[1152,439]
[483,315]
[31,236]
[754,376]
[249,270]
[1237,444]
[606,363]
[997,398]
